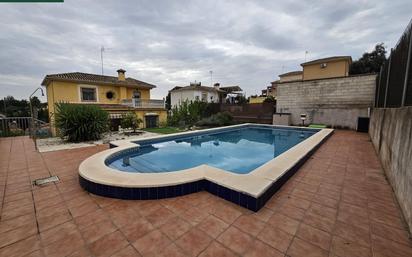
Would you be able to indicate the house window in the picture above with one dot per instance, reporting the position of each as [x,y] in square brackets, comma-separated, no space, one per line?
[204,97]
[136,94]
[110,95]
[88,94]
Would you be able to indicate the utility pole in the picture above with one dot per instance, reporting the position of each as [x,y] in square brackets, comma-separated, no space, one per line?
[211,78]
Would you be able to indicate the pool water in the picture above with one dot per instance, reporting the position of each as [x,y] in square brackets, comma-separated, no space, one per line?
[239,150]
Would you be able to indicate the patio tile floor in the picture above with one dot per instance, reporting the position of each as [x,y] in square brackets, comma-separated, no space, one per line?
[339,203]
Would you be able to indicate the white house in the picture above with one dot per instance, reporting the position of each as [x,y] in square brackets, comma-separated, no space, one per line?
[196,92]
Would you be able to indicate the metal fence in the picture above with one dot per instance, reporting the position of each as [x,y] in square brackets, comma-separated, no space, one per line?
[394,83]
[21,126]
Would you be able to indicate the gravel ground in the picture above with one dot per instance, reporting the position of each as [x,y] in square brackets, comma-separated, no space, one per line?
[56,143]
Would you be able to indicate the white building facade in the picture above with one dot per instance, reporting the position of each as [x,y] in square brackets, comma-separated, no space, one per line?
[195,92]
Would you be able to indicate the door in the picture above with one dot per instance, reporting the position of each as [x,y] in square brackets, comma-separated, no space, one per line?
[152,121]
[136,98]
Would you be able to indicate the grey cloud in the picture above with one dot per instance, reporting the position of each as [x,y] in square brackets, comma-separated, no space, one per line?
[174,42]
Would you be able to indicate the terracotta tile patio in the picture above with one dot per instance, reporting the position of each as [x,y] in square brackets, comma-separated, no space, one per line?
[338,204]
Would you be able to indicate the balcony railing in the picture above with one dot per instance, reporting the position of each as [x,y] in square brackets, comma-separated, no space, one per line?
[143,103]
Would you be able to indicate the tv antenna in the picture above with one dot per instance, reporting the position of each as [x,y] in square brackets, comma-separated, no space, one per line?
[306,53]
[102,49]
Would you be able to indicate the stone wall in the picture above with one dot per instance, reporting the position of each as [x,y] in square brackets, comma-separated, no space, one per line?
[253,113]
[390,130]
[337,102]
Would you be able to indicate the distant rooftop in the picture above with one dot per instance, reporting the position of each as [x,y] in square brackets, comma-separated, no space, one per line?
[95,79]
[298,72]
[230,89]
[328,59]
[198,86]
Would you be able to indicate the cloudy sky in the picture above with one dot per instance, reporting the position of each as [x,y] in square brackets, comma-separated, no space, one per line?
[169,43]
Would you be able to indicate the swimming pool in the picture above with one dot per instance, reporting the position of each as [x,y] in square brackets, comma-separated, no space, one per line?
[245,164]
[238,150]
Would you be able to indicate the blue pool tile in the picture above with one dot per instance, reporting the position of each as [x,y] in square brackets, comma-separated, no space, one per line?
[235,197]
[136,193]
[224,193]
[185,189]
[179,190]
[213,188]
[251,203]
[243,201]
[144,193]
[153,193]
[161,192]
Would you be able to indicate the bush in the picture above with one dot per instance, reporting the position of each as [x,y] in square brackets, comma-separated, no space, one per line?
[12,133]
[130,120]
[190,112]
[270,99]
[218,119]
[80,122]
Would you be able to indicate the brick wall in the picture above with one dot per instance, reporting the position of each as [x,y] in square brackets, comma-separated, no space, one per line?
[337,102]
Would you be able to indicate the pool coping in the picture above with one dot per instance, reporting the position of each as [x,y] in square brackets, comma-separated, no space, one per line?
[253,188]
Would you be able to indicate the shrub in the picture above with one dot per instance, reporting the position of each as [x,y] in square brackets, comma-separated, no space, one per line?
[130,120]
[163,124]
[80,122]
[270,99]
[11,133]
[190,112]
[218,119]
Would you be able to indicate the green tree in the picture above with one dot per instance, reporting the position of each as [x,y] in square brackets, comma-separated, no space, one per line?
[189,112]
[130,120]
[270,99]
[369,62]
[12,107]
[241,99]
[168,104]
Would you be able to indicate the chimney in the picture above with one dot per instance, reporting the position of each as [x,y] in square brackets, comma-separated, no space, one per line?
[120,75]
[197,84]
[216,85]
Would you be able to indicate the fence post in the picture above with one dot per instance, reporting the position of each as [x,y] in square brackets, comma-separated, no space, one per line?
[408,63]
[387,79]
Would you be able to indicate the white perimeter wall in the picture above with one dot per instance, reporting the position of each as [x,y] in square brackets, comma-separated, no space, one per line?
[176,97]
